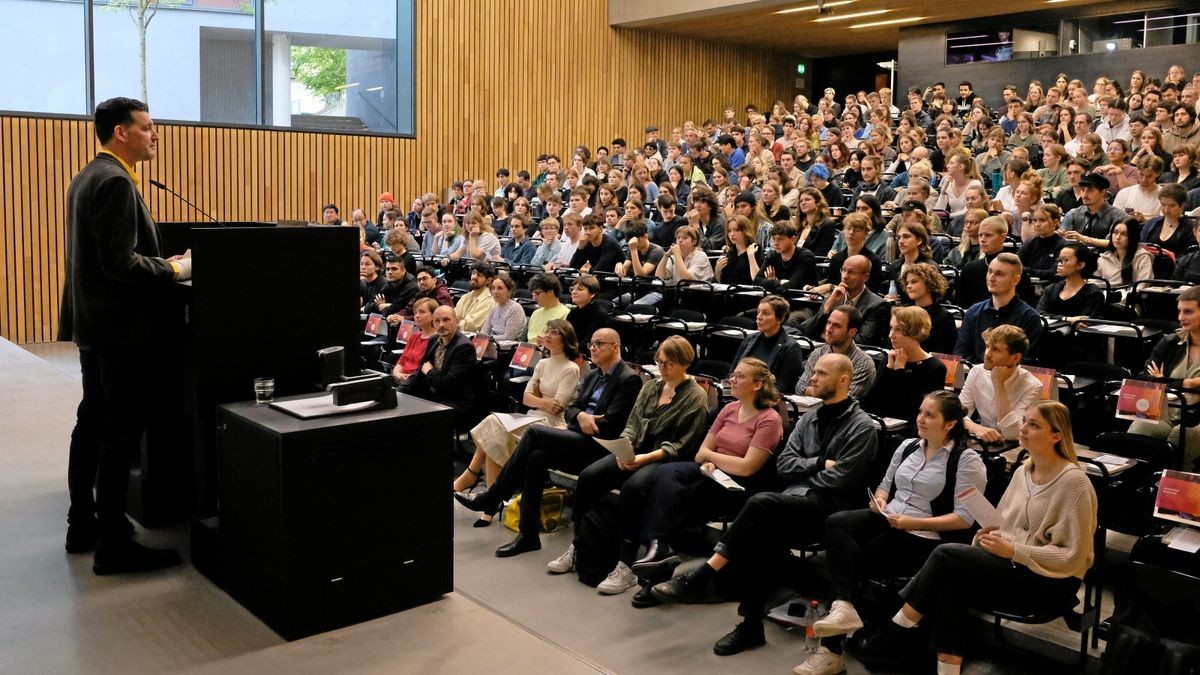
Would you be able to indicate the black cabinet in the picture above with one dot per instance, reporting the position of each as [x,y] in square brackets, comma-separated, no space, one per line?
[327,522]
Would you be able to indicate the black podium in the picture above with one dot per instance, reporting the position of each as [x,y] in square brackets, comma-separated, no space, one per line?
[261,302]
[330,521]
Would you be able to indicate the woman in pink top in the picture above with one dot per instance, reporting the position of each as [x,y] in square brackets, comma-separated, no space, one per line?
[739,444]
[414,348]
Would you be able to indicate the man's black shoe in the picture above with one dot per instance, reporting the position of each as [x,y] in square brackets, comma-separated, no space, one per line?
[746,635]
[81,536]
[644,598]
[685,588]
[130,556]
[522,544]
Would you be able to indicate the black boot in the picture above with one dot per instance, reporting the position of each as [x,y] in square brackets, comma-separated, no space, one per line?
[82,532]
[658,563]
[685,588]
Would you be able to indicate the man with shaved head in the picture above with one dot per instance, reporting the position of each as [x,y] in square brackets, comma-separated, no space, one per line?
[601,408]
[446,373]
[823,467]
[853,291]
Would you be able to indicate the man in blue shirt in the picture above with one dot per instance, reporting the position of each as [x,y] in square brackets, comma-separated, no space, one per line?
[519,249]
[729,149]
[1004,307]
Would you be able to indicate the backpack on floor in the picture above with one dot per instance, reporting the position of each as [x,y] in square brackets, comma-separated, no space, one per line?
[597,544]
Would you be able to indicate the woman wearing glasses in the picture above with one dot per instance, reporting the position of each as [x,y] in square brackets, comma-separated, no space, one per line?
[1073,297]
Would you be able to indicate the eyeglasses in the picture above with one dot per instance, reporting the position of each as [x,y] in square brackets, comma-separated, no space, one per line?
[596,344]
[736,376]
[663,364]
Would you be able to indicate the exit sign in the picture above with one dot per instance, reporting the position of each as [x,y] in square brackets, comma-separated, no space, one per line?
[801,68]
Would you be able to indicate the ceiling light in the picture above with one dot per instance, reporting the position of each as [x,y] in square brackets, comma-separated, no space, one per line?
[890,22]
[853,15]
[966,37]
[811,8]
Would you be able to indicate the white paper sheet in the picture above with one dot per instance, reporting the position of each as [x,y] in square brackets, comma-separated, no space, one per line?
[980,508]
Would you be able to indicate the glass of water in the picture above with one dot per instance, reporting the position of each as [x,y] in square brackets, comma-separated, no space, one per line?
[264,389]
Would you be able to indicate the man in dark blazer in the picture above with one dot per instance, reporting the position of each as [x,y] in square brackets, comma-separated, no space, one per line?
[606,397]
[446,373]
[113,302]
[876,311]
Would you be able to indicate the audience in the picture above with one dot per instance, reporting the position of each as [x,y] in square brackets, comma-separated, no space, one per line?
[822,468]
[729,205]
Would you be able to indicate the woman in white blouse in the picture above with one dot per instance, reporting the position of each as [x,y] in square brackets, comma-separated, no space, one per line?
[548,393]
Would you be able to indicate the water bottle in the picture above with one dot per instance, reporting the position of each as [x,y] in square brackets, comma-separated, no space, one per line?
[893,291]
[997,180]
[813,615]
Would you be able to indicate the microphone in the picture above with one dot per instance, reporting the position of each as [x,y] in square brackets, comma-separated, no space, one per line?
[162,186]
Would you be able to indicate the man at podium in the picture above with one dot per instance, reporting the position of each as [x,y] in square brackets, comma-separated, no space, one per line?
[115,289]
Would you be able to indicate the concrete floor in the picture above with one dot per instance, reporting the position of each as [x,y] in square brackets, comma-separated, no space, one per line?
[504,616]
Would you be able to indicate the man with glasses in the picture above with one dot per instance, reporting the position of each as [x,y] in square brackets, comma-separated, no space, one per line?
[428,286]
[1080,126]
[545,289]
[601,408]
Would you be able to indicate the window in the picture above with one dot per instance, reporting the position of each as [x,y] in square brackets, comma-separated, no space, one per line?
[979,46]
[336,66]
[43,37]
[198,63]
[344,67]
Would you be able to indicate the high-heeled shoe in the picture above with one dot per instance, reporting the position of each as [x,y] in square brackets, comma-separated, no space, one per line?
[483,521]
[478,477]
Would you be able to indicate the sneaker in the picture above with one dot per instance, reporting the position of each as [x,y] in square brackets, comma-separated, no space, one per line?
[842,619]
[822,662]
[563,563]
[619,580]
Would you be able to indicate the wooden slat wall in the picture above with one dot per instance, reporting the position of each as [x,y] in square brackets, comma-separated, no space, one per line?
[497,83]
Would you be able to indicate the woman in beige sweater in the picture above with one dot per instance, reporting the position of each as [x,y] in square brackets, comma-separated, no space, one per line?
[1034,562]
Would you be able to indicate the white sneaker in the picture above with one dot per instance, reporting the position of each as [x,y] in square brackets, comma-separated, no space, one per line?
[842,619]
[563,563]
[619,580]
[822,662]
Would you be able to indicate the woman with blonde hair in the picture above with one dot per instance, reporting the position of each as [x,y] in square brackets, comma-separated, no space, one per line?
[961,173]
[911,372]
[968,246]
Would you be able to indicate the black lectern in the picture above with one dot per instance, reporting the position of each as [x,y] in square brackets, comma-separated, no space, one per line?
[262,301]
